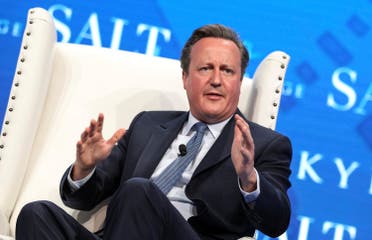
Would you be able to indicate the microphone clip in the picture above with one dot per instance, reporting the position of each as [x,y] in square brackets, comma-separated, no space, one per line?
[182,150]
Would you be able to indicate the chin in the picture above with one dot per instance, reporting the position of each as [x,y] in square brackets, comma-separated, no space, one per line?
[213,117]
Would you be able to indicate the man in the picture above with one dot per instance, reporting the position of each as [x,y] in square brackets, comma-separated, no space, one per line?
[235,183]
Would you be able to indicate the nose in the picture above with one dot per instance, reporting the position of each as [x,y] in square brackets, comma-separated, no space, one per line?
[215,79]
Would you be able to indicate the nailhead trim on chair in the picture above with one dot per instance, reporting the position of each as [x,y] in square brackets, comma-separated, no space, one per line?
[277,91]
[12,108]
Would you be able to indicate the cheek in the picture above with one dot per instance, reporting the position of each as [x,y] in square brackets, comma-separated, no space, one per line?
[239,85]
[237,91]
[234,88]
[194,85]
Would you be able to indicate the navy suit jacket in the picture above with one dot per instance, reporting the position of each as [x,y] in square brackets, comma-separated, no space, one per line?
[221,210]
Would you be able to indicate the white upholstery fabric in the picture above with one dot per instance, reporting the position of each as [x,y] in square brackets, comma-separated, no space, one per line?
[4,225]
[62,86]
[24,112]
[6,237]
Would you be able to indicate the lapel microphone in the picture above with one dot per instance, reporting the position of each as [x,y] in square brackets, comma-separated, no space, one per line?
[183,150]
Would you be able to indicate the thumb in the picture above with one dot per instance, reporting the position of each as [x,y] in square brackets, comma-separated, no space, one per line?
[117,135]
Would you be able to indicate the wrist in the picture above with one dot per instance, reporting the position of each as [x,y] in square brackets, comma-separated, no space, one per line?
[78,172]
[249,182]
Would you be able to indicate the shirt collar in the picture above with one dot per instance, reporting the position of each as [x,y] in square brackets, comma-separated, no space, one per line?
[215,128]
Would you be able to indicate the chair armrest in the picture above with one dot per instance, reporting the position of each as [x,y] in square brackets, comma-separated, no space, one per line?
[25,106]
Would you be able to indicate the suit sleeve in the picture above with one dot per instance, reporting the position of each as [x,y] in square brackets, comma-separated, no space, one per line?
[271,211]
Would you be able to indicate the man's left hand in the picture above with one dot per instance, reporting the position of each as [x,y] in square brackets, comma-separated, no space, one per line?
[242,154]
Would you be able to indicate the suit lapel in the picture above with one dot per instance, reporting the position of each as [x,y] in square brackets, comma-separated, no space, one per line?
[220,150]
[159,141]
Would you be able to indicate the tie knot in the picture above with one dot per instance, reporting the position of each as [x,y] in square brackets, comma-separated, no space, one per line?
[200,127]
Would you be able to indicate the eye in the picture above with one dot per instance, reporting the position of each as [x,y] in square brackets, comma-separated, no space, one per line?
[228,71]
[205,69]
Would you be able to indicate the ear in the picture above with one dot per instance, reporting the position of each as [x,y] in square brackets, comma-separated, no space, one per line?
[184,79]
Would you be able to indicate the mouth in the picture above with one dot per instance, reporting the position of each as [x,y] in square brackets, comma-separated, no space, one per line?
[213,95]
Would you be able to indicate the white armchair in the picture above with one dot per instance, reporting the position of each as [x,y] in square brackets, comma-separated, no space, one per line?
[58,87]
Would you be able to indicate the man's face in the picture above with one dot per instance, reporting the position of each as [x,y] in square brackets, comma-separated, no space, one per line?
[214,79]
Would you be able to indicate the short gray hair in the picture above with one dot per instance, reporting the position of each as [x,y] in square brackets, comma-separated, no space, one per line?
[216,31]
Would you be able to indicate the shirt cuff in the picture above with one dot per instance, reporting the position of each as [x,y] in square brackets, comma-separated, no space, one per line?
[251,196]
[75,185]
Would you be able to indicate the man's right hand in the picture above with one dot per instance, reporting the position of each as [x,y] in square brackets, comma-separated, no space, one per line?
[92,148]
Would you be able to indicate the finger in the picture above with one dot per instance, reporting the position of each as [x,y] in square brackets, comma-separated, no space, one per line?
[237,134]
[240,141]
[117,135]
[241,124]
[246,154]
[244,127]
[93,127]
[84,135]
[247,140]
[79,147]
[100,122]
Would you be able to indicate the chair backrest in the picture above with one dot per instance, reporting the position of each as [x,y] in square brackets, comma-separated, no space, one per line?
[59,87]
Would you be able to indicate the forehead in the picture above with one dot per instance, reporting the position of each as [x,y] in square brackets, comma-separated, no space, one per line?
[215,49]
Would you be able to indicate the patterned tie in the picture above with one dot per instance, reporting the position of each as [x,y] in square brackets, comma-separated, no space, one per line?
[169,177]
